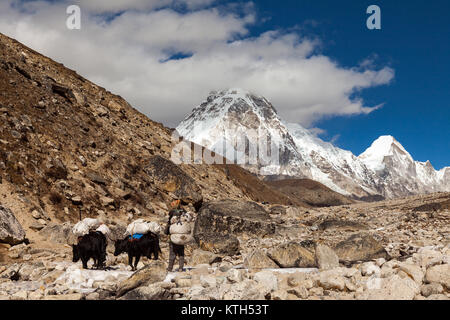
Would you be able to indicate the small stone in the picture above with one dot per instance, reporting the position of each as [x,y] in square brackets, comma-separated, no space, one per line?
[414,271]
[432,288]
[267,279]
[93,296]
[316,291]
[235,275]
[370,268]
[292,281]
[330,280]
[208,281]
[21,295]
[279,295]
[106,201]
[36,214]
[300,292]
[36,226]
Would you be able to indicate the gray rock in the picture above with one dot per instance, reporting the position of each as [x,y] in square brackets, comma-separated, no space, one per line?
[331,280]
[267,279]
[152,292]
[154,272]
[360,247]
[233,217]
[11,231]
[245,290]
[344,225]
[326,258]
[259,260]
[293,255]
[221,244]
[204,257]
[59,233]
[440,274]
[432,288]
[393,288]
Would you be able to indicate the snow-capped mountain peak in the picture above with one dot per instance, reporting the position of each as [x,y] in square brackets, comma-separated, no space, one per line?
[384,146]
[385,168]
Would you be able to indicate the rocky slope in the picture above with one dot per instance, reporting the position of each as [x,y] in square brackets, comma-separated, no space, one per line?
[385,170]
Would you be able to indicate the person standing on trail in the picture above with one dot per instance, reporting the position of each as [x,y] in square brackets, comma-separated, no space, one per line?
[179,229]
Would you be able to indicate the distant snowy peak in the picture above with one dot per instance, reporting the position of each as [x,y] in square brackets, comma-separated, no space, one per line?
[385,168]
[385,146]
[231,116]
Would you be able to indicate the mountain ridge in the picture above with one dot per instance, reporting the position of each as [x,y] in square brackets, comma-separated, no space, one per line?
[385,168]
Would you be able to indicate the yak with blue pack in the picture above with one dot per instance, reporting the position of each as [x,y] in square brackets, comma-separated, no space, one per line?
[138,245]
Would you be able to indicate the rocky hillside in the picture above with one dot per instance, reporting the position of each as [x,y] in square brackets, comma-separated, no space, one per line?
[310,191]
[228,119]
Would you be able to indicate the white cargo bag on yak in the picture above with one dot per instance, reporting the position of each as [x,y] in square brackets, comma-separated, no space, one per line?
[84,226]
[142,227]
[103,229]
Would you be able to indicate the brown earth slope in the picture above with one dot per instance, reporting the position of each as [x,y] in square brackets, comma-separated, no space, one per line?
[308,191]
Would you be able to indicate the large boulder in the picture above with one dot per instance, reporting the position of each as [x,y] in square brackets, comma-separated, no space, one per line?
[360,247]
[326,258]
[221,244]
[267,279]
[152,273]
[233,217]
[246,290]
[152,292]
[293,255]
[204,257]
[393,288]
[11,231]
[169,177]
[344,225]
[59,233]
[439,274]
[259,260]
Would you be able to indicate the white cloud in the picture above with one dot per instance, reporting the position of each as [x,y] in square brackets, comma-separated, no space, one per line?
[124,54]
[113,6]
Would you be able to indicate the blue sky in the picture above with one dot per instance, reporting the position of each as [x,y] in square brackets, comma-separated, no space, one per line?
[414,41]
[314,59]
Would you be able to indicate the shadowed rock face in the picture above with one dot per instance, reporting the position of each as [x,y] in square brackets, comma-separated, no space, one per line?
[233,217]
[170,178]
[11,231]
[293,255]
[154,272]
[360,247]
[341,225]
[223,244]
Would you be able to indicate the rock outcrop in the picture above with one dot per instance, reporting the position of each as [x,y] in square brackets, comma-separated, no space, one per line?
[360,247]
[11,231]
[233,217]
